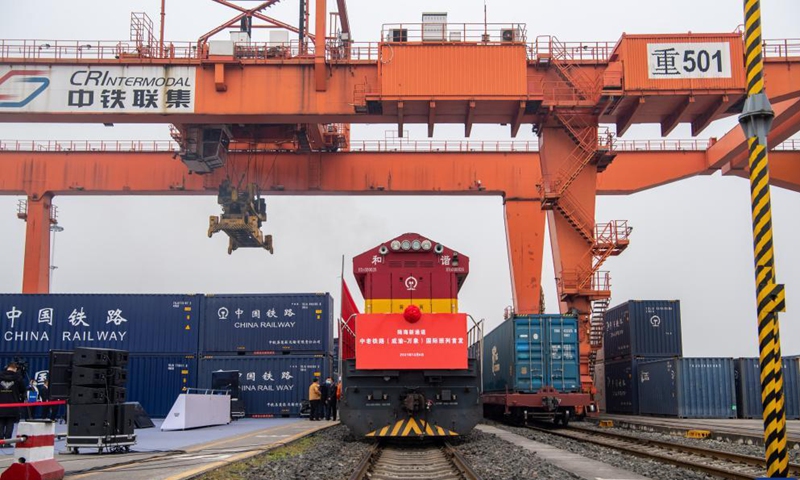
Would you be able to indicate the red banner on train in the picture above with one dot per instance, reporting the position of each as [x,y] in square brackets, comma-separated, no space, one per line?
[389,341]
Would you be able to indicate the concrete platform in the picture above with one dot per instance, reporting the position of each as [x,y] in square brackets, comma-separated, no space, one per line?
[583,467]
[749,431]
[177,455]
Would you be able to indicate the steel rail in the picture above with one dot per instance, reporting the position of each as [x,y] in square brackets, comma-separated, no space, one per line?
[439,461]
[755,466]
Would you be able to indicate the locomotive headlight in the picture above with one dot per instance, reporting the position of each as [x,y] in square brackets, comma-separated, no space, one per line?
[426,245]
[406,245]
[395,245]
[415,245]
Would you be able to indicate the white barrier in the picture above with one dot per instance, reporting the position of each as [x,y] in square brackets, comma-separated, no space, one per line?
[35,455]
[194,410]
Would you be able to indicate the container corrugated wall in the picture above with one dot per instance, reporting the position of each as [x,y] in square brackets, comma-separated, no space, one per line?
[267,324]
[155,381]
[669,61]
[620,387]
[270,385]
[525,353]
[688,388]
[643,328]
[419,70]
[599,380]
[748,388]
[136,323]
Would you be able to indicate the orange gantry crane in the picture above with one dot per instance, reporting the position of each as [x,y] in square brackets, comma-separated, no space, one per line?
[277,114]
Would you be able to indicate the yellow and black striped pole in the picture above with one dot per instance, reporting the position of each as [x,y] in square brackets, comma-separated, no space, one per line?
[756,120]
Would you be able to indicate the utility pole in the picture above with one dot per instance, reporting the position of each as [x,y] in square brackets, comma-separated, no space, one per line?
[756,120]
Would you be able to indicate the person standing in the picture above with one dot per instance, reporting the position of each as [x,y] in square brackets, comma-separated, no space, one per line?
[48,412]
[333,397]
[315,397]
[33,397]
[12,390]
[325,391]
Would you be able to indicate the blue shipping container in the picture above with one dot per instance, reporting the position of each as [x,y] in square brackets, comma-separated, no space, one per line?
[748,388]
[643,328]
[526,353]
[155,381]
[36,324]
[269,385]
[688,388]
[267,324]
[621,385]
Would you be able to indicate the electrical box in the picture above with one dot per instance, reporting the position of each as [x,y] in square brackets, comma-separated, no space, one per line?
[240,37]
[434,27]
[220,47]
[278,38]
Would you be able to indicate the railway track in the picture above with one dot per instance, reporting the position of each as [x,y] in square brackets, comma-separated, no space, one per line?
[726,465]
[433,462]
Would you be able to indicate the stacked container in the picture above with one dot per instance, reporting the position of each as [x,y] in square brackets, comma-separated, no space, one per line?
[688,388]
[277,342]
[528,352]
[635,332]
[159,331]
[748,387]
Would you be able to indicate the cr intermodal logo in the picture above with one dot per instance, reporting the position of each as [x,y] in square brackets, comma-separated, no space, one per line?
[28,76]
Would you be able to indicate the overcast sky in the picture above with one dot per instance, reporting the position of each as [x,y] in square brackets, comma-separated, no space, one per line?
[691,240]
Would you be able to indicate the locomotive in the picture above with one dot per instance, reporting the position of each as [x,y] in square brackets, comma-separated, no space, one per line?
[411,362]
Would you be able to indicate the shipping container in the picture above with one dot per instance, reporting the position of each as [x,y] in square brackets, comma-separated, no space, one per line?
[599,380]
[748,388]
[36,324]
[528,352]
[270,386]
[643,328]
[688,388]
[267,324]
[155,381]
[621,385]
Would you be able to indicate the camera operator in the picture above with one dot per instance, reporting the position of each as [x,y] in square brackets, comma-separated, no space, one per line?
[12,390]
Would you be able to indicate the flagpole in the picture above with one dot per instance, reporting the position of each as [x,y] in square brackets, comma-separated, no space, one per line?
[341,321]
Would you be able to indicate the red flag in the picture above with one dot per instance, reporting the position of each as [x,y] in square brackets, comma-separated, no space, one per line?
[348,333]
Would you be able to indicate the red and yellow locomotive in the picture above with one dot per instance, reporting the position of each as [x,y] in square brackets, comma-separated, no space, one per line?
[408,369]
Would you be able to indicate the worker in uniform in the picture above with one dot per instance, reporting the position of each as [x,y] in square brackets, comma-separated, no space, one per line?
[12,390]
[315,397]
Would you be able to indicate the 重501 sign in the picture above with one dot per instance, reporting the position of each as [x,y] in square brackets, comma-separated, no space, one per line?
[689,60]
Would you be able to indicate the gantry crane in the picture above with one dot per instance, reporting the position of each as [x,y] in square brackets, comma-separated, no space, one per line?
[237,105]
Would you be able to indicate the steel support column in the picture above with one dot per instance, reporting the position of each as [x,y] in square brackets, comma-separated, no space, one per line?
[36,274]
[525,237]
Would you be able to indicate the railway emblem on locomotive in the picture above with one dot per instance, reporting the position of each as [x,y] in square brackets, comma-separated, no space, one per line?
[655,321]
[411,283]
[222,313]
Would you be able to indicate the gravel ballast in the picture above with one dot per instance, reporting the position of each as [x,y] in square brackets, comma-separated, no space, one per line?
[333,454]
[731,447]
[647,468]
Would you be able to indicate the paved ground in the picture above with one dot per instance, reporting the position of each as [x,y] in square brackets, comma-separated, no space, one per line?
[179,454]
[734,427]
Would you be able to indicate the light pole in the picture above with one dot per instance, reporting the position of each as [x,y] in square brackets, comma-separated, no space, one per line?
[55,228]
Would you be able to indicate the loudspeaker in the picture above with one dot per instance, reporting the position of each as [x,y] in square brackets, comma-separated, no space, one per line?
[99,357]
[124,417]
[90,420]
[89,376]
[117,395]
[140,417]
[99,377]
[87,395]
[60,374]
[226,380]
